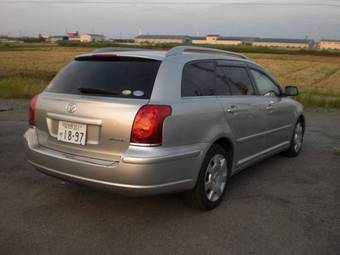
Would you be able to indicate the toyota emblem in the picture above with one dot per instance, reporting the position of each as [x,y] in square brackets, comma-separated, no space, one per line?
[71,108]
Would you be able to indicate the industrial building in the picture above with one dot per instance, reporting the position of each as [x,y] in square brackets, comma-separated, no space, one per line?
[329,44]
[162,39]
[283,42]
[226,40]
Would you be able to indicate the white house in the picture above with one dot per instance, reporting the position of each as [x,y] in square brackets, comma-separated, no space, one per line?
[92,38]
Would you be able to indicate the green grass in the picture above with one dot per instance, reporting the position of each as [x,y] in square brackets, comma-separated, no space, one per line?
[25,46]
[166,46]
[26,87]
[21,87]
[235,48]
[28,74]
[313,99]
[24,83]
[28,71]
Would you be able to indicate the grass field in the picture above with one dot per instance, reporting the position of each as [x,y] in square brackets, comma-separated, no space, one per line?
[26,71]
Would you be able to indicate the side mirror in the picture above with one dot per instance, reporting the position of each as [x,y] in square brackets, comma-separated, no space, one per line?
[291,91]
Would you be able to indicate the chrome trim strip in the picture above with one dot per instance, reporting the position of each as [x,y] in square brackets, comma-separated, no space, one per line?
[145,144]
[160,158]
[242,139]
[244,160]
[112,184]
[76,119]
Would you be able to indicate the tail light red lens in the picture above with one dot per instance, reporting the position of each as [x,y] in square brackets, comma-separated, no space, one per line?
[31,111]
[148,124]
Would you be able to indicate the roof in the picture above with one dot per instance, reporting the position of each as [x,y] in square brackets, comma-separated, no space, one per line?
[197,37]
[283,40]
[329,40]
[237,38]
[94,35]
[163,37]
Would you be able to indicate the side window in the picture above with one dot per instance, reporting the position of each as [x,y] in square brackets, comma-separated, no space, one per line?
[264,84]
[198,79]
[233,80]
[222,84]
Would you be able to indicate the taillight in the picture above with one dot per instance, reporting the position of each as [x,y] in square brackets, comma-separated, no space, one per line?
[31,111]
[148,124]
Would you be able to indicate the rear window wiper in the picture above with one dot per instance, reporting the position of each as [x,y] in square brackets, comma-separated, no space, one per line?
[89,90]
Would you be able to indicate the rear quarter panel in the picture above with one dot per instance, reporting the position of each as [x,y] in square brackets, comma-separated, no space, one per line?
[195,120]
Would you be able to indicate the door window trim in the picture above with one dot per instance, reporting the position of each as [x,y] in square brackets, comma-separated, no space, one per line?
[212,61]
[266,75]
[233,63]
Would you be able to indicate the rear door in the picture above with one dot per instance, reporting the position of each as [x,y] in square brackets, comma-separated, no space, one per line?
[97,98]
[243,108]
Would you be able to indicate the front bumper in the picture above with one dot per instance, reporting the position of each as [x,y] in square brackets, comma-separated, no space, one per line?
[140,171]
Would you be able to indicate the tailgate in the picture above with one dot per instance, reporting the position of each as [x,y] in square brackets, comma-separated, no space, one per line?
[108,123]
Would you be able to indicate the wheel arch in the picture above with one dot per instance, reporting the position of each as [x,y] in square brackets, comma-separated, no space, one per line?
[303,121]
[228,145]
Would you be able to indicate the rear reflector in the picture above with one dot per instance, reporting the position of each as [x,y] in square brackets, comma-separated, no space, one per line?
[31,111]
[148,124]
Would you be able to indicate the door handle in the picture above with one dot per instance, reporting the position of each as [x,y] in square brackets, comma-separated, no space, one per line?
[232,109]
[270,106]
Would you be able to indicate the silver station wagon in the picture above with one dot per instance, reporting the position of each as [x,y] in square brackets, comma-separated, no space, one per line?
[144,122]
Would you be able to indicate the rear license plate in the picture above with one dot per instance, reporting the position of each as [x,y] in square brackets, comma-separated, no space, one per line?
[71,132]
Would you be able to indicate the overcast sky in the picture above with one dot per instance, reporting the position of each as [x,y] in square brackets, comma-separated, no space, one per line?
[264,18]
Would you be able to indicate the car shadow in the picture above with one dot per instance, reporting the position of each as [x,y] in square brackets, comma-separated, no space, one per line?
[94,199]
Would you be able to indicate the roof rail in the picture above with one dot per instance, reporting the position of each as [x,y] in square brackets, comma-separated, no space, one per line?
[178,50]
[110,49]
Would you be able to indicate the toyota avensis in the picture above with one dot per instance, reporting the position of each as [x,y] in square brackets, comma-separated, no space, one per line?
[146,122]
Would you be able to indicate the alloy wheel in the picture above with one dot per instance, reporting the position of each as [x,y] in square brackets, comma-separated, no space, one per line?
[215,177]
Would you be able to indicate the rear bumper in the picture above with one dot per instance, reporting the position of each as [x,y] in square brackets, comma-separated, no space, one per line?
[141,170]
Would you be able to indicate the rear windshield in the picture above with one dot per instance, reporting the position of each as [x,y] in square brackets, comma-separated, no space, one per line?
[113,77]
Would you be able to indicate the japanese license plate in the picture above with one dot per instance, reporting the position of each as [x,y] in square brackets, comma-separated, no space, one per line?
[71,132]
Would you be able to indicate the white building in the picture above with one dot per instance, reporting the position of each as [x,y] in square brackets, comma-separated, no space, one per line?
[92,38]
[329,44]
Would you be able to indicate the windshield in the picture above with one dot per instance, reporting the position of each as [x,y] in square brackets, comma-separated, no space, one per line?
[114,77]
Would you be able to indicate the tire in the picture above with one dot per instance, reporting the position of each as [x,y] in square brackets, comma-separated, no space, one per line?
[296,141]
[212,181]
